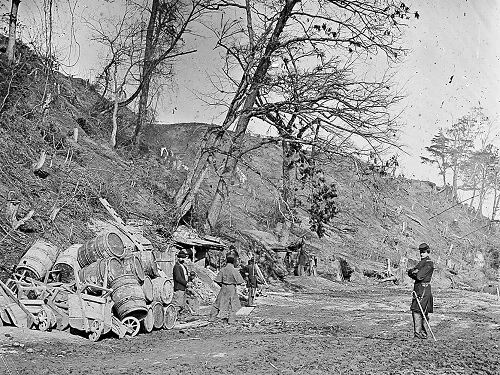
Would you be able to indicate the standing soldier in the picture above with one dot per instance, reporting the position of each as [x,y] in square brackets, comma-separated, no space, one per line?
[422,302]
[251,278]
[227,303]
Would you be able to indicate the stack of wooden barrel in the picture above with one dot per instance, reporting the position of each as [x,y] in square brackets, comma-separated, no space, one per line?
[141,291]
[142,286]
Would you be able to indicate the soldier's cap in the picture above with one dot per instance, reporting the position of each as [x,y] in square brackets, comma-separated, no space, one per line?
[181,254]
[423,248]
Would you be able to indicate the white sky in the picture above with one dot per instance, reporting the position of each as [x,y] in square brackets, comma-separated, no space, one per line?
[456,38]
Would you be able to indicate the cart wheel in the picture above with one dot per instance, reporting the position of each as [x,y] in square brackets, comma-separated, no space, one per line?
[169,316]
[44,320]
[96,328]
[133,325]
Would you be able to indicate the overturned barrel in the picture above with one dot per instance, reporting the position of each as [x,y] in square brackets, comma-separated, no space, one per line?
[132,265]
[148,321]
[66,265]
[147,288]
[95,273]
[157,309]
[105,245]
[128,297]
[163,290]
[39,258]
[148,260]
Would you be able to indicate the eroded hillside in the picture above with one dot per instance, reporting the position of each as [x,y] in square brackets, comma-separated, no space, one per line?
[380,217]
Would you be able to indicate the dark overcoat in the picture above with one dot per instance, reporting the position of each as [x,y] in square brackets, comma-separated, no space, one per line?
[422,274]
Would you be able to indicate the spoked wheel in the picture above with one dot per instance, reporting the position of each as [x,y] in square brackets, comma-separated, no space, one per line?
[133,325]
[96,328]
[169,317]
[46,319]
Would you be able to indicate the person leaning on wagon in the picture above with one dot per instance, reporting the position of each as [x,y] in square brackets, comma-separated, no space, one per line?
[227,302]
[422,274]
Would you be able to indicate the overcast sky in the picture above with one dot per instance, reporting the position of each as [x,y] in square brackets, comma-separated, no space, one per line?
[454,65]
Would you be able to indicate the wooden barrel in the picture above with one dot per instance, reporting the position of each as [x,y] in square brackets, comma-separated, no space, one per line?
[169,316]
[149,263]
[105,245]
[39,258]
[157,308]
[94,273]
[147,288]
[66,266]
[163,290]
[132,265]
[148,321]
[128,297]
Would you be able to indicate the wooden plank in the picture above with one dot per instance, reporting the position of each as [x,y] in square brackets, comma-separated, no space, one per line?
[245,311]
[17,316]
[31,319]
[121,225]
[193,324]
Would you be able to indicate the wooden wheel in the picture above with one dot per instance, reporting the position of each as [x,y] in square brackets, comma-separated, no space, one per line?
[96,328]
[45,319]
[133,325]
[169,317]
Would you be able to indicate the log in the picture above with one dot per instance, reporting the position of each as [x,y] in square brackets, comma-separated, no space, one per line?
[11,214]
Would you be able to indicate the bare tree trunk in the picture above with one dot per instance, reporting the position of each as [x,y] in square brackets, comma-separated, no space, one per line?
[246,115]
[115,107]
[147,66]
[287,170]
[454,192]
[496,198]
[12,30]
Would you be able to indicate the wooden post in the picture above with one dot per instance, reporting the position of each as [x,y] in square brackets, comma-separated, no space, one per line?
[75,134]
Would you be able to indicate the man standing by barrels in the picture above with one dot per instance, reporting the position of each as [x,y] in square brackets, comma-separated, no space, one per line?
[422,302]
[181,279]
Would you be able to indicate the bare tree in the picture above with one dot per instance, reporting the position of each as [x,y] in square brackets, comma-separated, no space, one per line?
[276,45]
[12,30]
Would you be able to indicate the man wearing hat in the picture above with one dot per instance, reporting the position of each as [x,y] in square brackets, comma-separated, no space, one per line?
[420,309]
[181,280]
[227,303]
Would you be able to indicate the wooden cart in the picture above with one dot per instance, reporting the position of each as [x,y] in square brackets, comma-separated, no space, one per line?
[91,314]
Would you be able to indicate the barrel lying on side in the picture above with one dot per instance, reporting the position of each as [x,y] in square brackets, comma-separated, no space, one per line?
[163,290]
[128,297]
[39,258]
[95,273]
[147,288]
[157,308]
[105,245]
[132,265]
[148,260]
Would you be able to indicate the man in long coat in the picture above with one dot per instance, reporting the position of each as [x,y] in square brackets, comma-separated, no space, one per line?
[422,274]
[227,303]
[251,277]
[181,279]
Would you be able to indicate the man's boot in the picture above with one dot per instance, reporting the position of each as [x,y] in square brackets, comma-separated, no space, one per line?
[417,325]
[423,332]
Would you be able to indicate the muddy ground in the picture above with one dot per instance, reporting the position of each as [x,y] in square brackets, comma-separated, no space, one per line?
[313,326]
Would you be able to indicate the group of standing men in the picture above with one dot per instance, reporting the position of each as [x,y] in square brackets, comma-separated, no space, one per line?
[227,302]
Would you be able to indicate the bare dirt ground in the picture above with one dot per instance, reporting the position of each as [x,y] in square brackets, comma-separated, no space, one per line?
[313,327]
